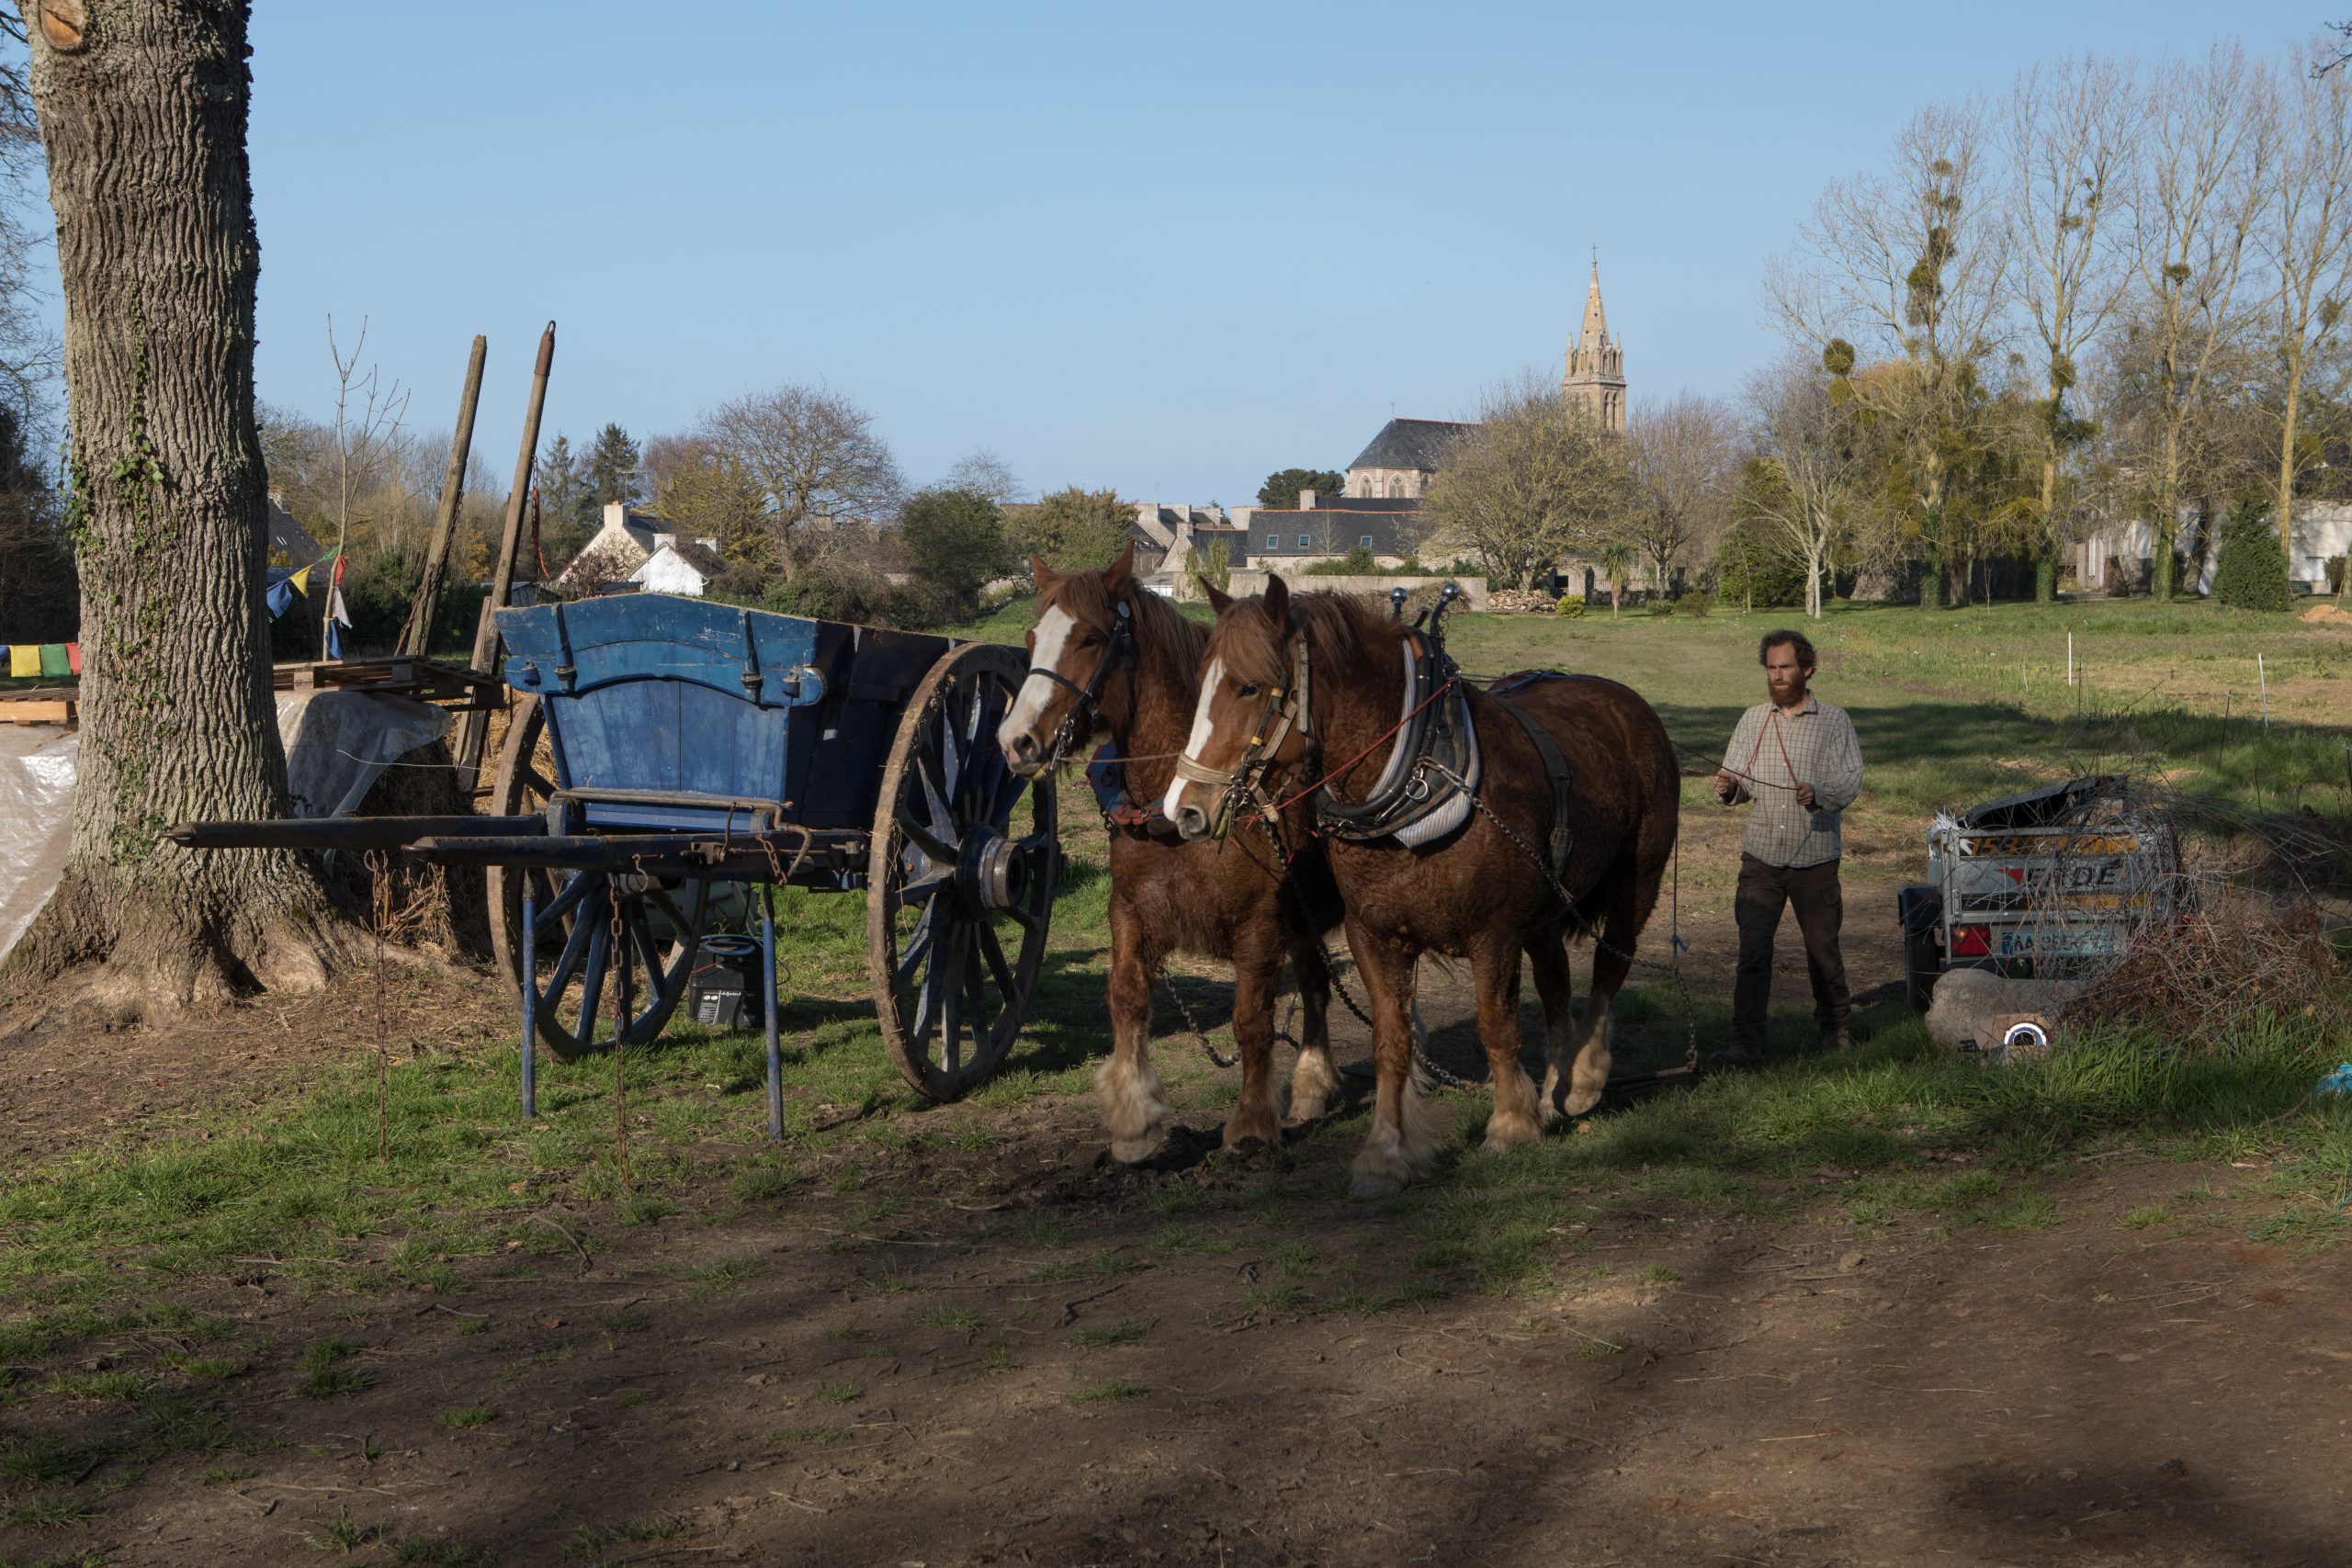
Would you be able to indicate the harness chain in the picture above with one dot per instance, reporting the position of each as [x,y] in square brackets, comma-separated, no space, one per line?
[1427,1067]
[1682,988]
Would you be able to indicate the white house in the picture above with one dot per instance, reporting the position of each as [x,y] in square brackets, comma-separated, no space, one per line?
[679,566]
[2115,558]
[615,552]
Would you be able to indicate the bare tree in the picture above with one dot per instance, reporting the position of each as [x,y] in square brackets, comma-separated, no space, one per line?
[1907,265]
[2307,232]
[2211,146]
[368,449]
[1683,459]
[816,457]
[28,349]
[144,111]
[1534,480]
[983,472]
[1811,434]
[2068,135]
[702,490]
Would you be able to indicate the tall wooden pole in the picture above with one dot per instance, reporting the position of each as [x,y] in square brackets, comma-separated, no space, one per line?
[486,635]
[417,634]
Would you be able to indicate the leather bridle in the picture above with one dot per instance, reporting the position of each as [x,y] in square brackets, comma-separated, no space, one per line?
[1287,708]
[1088,708]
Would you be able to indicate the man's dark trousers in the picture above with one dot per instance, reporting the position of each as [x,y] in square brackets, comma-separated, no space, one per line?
[1812,891]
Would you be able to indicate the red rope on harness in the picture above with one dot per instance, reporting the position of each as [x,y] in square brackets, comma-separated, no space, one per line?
[1774,722]
[1447,684]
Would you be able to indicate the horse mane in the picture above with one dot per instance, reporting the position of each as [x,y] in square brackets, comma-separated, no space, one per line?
[1168,643]
[1341,629]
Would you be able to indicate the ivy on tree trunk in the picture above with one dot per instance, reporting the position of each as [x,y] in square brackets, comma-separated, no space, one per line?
[142,107]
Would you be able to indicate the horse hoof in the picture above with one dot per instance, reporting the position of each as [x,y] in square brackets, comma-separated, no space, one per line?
[1371,1185]
[1581,1101]
[1510,1131]
[1307,1108]
[1135,1151]
[1265,1135]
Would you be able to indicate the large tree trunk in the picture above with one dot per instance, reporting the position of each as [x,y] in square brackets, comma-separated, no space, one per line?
[142,107]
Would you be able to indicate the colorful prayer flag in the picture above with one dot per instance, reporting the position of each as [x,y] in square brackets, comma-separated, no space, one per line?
[53,661]
[24,658]
[73,656]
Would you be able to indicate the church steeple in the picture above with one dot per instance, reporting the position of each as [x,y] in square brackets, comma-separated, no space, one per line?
[1595,378]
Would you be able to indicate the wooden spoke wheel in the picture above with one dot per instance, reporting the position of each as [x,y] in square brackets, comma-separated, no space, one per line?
[961,884]
[570,969]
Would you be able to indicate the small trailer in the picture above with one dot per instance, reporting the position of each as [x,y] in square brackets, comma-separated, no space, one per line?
[670,762]
[2055,883]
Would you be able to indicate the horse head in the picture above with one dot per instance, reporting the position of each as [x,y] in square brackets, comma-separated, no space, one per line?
[1250,723]
[1083,639]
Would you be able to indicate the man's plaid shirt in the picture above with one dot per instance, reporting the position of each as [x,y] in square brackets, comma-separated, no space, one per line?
[1772,752]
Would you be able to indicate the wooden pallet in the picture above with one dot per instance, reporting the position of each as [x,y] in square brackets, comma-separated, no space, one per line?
[39,705]
[426,680]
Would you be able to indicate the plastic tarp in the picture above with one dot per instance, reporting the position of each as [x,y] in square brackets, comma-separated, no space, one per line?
[337,745]
[36,818]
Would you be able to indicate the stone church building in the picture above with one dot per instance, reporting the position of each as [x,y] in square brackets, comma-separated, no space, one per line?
[1380,507]
[1595,379]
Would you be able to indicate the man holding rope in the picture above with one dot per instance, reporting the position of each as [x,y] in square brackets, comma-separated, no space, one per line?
[1796,760]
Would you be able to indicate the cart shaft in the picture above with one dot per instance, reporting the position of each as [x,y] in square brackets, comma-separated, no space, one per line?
[348,832]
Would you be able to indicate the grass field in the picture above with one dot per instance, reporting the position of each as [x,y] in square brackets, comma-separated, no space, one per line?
[302,1183]
[133,1243]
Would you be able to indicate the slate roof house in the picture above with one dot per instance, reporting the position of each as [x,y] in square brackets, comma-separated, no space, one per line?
[1326,530]
[1403,458]
[679,566]
[625,548]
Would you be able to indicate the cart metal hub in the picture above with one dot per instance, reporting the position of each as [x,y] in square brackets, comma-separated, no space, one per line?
[995,872]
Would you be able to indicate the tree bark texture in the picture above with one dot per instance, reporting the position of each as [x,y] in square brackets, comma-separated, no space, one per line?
[143,107]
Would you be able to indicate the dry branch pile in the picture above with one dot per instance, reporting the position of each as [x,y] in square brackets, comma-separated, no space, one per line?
[2236,959]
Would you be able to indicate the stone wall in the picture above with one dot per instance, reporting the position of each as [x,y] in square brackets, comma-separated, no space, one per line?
[1251,580]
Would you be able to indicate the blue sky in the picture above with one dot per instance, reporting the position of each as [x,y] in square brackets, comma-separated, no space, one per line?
[1162,249]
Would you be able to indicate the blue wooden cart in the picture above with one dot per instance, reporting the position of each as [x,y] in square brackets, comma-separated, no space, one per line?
[670,762]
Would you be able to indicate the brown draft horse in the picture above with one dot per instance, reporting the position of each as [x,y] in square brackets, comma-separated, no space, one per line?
[1472,894]
[1231,901]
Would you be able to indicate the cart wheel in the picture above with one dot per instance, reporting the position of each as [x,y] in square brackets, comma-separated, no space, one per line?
[959,894]
[570,970]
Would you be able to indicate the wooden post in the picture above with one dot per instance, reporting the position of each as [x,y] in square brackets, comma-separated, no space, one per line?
[486,635]
[417,634]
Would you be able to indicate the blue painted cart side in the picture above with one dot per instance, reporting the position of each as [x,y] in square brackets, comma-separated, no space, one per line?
[715,707]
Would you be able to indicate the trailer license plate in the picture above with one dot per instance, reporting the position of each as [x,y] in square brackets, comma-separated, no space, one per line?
[2093,944]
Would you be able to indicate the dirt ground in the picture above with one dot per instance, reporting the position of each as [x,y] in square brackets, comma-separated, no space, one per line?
[2082,1394]
[1019,1353]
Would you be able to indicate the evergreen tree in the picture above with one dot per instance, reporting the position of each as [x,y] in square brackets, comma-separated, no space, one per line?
[1073,530]
[2250,573]
[566,503]
[954,543]
[1281,490]
[612,469]
[39,593]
